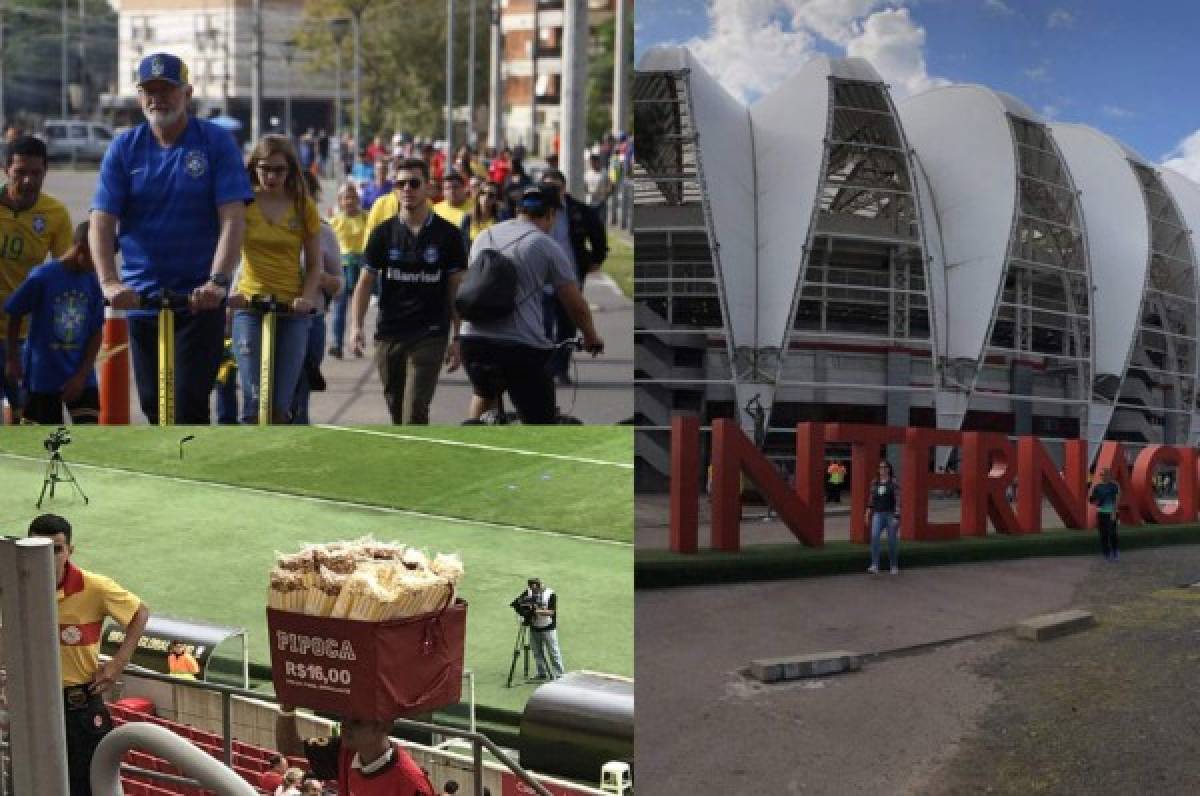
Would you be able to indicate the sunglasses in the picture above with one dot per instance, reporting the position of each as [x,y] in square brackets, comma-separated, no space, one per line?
[411,182]
[280,170]
[60,548]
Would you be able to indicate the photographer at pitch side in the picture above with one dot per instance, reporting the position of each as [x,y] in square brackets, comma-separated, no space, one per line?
[543,623]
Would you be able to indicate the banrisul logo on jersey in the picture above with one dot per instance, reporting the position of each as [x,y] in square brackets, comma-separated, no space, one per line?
[195,163]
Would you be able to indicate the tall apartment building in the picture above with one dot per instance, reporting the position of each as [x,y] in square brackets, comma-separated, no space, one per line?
[216,40]
[528,73]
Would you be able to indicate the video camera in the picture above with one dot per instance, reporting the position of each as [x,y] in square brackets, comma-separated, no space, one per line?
[57,439]
[526,603]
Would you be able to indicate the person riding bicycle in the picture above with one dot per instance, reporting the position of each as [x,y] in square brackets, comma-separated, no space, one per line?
[510,353]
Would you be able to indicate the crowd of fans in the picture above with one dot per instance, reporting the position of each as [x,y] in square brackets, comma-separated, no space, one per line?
[255,236]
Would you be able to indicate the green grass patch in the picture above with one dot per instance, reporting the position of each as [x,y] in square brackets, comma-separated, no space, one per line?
[392,467]
[656,569]
[201,549]
[619,263]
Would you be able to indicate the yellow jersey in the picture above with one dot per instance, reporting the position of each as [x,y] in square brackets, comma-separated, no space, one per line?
[349,231]
[382,209]
[455,214]
[481,226]
[84,599]
[26,237]
[271,251]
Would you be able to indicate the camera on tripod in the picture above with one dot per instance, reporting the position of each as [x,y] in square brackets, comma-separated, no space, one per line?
[525,606]
[57,439]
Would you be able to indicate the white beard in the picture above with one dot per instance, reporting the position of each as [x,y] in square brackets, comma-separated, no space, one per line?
[161,119]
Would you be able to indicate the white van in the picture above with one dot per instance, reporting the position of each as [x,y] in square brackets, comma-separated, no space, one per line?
[73,139]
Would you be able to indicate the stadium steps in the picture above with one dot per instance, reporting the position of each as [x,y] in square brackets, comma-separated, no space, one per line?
[249,760]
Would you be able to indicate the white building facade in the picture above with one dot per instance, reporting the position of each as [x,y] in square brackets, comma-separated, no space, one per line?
[948,261]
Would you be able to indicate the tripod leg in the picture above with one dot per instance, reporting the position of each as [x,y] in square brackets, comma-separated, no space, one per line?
[70,476]
[45,483]
[516,653]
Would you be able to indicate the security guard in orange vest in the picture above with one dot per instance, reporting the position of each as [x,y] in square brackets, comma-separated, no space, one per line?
[84,599]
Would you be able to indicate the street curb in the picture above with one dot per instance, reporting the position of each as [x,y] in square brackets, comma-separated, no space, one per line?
[661,569]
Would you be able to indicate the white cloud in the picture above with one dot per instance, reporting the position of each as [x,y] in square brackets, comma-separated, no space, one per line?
[753,45]
[1050,112]
[896,46]
[998,6]
[1037,73]
[1185,157]
[1060,18]
[1117,112]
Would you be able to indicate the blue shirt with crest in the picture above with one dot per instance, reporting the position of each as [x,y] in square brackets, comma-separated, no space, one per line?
[166,200]
[66,308]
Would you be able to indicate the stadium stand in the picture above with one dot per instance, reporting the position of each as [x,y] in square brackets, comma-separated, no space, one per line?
[249,760]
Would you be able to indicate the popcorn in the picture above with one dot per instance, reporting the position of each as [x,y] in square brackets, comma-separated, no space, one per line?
[363,580]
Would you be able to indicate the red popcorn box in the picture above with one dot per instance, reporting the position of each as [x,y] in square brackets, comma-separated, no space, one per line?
[368,670]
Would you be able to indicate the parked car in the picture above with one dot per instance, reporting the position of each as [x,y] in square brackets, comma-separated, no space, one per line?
[68,139]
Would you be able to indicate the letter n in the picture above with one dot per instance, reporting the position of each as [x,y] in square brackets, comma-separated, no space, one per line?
[984,482]
[1038,476]
[803,511]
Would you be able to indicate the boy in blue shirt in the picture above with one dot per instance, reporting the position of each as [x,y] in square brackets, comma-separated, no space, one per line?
[66,309]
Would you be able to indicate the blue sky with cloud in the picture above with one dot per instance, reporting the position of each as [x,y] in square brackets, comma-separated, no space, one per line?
[1128,68]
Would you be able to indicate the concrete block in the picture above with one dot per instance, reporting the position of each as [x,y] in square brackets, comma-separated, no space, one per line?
[1048,626]
[795,667]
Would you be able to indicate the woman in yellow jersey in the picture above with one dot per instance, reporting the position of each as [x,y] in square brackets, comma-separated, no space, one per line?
[349,224]
[280,223]
[487,211]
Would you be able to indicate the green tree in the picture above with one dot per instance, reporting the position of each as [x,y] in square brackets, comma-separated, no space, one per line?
[31,55]
[600,75]
[403,59]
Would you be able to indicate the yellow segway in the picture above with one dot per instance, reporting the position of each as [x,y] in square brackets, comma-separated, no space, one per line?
[167,302]
[270,308]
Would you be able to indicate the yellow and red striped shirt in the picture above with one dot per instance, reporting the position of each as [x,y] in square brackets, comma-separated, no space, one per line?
[84,599]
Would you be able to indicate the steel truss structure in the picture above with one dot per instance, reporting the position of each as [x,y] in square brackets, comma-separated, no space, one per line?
[951,260]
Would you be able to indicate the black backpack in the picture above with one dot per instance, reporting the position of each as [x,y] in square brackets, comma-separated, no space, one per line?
[489,289]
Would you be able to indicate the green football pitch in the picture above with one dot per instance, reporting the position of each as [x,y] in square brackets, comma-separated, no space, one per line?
[195,535]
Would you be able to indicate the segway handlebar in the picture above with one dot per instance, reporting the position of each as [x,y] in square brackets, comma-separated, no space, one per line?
[267,303]
[160,299]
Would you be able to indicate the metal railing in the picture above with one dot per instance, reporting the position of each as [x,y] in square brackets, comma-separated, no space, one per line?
[478,741]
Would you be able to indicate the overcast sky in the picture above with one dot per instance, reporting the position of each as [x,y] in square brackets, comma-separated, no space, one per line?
[1128,68]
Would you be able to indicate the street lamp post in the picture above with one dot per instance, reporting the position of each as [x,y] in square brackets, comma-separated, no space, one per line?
[356,17]
[471,134]
[65,104]
[289,52]
[449,81]
[338,28]
[256,76]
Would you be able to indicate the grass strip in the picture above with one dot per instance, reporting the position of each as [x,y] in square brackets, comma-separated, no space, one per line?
[659,569]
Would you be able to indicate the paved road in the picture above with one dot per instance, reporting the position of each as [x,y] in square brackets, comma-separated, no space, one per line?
[354,396]
[853,734]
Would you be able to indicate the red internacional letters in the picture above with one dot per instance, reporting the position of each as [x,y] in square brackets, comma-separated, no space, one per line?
[990,464]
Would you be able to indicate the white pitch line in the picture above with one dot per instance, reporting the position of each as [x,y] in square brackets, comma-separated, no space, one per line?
[334,502]
[478,446]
